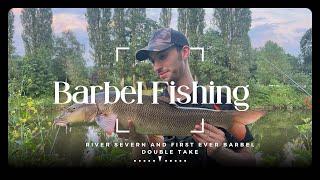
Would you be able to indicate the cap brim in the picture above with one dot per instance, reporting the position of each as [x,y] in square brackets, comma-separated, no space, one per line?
[143,53]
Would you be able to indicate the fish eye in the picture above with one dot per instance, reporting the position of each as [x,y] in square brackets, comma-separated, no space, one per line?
[71,109]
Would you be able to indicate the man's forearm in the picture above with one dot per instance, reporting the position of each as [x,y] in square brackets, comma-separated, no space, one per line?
[228,157]
[156,139]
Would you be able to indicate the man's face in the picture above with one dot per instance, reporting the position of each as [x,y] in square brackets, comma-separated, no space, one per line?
[168,64]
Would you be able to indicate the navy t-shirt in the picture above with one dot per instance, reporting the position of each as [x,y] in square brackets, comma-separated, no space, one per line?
[200,160]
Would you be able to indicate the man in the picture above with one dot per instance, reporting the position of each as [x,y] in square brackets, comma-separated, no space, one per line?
[169,50]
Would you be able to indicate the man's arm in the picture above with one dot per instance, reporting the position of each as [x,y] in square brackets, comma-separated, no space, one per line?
[156,139]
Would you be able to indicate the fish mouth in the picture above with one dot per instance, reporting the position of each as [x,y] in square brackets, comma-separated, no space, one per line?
[60,122]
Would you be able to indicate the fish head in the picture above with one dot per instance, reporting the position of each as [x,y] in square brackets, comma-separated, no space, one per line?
[76,114]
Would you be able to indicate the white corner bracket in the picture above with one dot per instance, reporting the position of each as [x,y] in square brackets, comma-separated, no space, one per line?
[202,128]
[120,131]
[117,51]
[201,49]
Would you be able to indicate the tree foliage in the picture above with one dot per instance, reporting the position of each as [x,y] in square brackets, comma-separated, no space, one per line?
[99,31]
[165,17]
[228,55]
[191,23]
[306,51]
[37,69]
[234,25]
[140,29]
[11,48]
[69,64]
[37,31]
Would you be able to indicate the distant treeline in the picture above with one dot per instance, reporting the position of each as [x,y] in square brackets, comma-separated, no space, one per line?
[228,55]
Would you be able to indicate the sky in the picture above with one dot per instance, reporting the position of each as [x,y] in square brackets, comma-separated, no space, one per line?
[285,26]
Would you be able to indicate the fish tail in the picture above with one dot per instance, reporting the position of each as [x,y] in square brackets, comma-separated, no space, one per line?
[240,119]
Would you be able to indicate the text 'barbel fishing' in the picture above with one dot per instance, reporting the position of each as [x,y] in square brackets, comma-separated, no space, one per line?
[83,91]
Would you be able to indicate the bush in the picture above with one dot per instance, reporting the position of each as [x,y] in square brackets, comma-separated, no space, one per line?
[276,95]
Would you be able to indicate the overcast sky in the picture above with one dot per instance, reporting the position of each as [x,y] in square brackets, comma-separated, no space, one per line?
[281,25]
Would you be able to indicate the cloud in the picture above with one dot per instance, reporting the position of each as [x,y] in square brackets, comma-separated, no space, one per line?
[153,13]
[283,26]
[78,11]
[73,19]
[67,21]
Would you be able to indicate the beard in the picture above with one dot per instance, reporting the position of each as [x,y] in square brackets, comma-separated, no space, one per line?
[177,73]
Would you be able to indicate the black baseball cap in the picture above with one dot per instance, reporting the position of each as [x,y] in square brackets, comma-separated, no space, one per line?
[162,39]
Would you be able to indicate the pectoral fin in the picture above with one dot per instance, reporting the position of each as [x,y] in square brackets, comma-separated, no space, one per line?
[107,122]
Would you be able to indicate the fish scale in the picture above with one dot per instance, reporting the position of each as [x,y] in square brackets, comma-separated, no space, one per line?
[166,119]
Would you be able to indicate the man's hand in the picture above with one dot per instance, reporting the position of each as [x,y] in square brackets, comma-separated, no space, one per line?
[211,135]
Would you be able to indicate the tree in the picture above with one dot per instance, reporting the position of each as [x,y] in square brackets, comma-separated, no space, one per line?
[120,34]
[306,51]
[60,59]
[195,26]
[119,25]
[37,31]
[37,79]
[191,24]
[213,44]
[272,62]
[137,36]
[165,17]
[69,64]
[139,31]
[75,63]
[11,48]
[183,20]
[212,69]
[99,31]
[136,17]
[37,74]
[234,25]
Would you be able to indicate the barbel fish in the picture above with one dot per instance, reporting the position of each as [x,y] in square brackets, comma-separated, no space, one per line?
[155,119]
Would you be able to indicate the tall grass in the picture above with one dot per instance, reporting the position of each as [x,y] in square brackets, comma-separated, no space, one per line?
[29,123]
